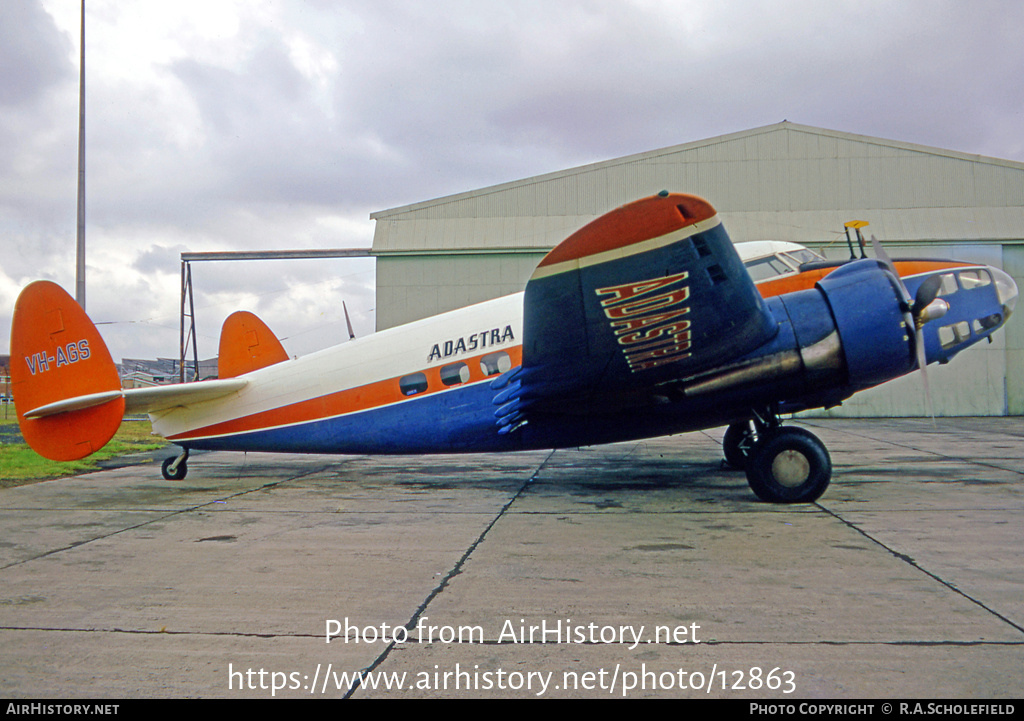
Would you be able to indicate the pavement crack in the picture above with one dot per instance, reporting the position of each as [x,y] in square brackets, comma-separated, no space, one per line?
[452,573]
[917,566]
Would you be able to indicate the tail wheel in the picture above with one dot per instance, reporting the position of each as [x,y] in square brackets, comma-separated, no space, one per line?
[737,444]
[789,465]
[175,468]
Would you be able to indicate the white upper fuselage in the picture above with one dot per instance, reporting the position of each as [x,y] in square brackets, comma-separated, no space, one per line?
[360,374]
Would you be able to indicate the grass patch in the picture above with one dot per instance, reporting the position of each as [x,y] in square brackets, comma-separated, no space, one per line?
[19,464]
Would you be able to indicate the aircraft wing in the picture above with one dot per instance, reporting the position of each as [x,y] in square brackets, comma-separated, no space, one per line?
[649,292]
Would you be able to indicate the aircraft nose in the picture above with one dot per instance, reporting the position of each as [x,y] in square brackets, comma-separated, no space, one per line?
[1006,288]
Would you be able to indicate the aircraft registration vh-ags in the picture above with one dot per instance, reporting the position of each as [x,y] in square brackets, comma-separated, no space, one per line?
[643,323]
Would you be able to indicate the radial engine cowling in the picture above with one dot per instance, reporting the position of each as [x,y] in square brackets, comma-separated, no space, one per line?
[869,313]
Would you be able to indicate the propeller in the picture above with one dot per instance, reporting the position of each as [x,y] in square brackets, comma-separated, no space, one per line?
[924,307]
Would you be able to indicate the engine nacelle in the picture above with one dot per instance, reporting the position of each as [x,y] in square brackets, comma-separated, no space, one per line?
[870,316]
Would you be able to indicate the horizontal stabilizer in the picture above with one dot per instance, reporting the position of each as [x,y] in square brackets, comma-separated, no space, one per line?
[145,400]
[73,404]
[160,398]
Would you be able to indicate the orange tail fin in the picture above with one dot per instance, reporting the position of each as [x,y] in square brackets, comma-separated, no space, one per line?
[65,384]
[247,344]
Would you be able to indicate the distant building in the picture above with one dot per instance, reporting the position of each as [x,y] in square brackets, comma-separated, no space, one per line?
[5,379]
[140,372]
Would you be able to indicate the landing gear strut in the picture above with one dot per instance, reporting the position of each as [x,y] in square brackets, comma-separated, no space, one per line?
[175,468]
[783,464]
[738,443]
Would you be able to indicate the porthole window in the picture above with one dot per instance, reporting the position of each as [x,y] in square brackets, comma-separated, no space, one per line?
[454,374]
[494,363]
[975,278]
[413,383]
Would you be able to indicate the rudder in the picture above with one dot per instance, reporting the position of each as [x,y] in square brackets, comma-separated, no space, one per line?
[58,356]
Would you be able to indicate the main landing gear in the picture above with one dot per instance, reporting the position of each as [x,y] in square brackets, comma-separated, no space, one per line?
[783,464]
[176,467]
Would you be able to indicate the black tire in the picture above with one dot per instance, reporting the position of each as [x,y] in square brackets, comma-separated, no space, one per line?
[737,444]
[179,473]
[789,465]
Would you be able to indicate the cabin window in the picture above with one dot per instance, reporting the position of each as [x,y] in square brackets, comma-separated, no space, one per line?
[951,335]
[949,286]
[413,383]
[494,363]
[454,374]
[970,279]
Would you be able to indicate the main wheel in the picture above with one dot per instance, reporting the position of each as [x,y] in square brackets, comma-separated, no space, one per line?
[789,465]
[179,472]
[737,444]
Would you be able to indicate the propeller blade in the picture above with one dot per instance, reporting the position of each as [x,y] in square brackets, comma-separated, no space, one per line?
[927,292]
[884,257]
[891,267]
[922,363]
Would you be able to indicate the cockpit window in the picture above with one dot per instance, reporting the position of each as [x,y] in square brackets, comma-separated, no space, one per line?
[802,256]
[764,268]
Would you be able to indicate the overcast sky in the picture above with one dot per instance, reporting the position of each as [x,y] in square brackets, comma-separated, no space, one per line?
[231,125]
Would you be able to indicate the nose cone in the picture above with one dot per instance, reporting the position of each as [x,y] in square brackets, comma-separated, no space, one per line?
[1007,290]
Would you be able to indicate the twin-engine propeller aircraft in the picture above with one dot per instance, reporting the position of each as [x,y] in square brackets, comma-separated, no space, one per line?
[643,323]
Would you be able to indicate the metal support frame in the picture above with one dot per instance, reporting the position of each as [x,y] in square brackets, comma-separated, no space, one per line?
[189,336]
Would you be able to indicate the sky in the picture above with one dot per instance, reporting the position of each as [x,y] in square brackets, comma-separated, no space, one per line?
[229,125]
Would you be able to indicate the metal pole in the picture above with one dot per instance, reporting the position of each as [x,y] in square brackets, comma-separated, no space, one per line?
[181,347]
[80,264]
[192,331]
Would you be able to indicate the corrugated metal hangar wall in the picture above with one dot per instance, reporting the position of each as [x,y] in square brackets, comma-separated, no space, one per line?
[781,182]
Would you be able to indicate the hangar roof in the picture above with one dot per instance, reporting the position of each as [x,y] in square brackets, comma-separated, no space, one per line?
[785,181]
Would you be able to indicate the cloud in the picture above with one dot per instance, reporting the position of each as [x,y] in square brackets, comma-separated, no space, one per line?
[34,50]
[221,124]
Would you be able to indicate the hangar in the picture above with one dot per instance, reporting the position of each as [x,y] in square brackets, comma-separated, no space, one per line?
[780,182]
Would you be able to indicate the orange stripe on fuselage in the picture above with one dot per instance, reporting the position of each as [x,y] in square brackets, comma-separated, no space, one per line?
[351,400]
[803,281]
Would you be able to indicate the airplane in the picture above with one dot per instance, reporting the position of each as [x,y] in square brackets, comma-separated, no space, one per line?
[643,323]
